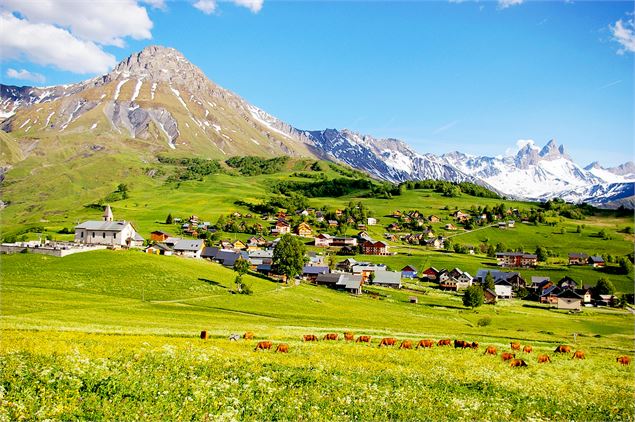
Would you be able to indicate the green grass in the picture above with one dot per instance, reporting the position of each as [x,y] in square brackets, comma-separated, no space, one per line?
[113,335]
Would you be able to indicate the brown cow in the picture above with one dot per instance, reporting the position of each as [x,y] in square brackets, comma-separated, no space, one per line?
[508,356]
[204,335]
[527,349]
[310,337]
[544,359]
[349,336]
[517,363]
[444,342]
[515,345]
[282,348]
[624,360]
[363,339]
[578,354]
[563,349]
[425,343]
[461,344]
[248,335]
[263,345]
[491,350]
[331,336]
[388,341]
[406,344]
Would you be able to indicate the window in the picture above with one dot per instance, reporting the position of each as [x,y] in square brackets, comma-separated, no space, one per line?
[103,235]
[93,234]
[114,235]
[82,235]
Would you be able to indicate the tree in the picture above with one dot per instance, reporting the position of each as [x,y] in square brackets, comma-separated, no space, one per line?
[288,256]
[241,266]
[541,254]
[169,219]
[604,287]
[371,277]
[473,296]
[626,267]
[489,281]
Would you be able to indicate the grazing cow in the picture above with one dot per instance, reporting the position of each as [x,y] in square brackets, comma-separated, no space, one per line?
[491,350]
[517,363]
[248,335]
[578,354]
[527,349]
[544,359]
[462,344]
[515,345]
[425,343]
[234,337]
[310,337]
[474,345]
[563,349]
[387,341]
[444,342]
[406,344]
[349,336]
[508,356]
[263,345]
[331,336]
[363,339]
[624,360]
[204,335]
[282,348]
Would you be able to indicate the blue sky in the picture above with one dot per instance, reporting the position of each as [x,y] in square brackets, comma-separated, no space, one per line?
[470,76]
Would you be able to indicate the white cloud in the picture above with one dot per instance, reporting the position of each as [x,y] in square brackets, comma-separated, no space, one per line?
[520,144]
[504,4]
[206,6]
[103,22]
[155,4]
[25,75]
[209,6]
[624,33]
[49,45]
[253,5]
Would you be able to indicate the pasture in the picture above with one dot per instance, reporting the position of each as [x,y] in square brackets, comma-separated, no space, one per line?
[114,335]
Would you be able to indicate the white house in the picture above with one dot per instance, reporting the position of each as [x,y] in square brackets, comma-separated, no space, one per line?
[108,232]
[189,247]
[503,289]
[371,221]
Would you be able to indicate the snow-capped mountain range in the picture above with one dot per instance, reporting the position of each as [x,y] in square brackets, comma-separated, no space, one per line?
[158,96]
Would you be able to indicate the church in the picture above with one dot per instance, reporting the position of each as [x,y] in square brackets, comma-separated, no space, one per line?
[108,232]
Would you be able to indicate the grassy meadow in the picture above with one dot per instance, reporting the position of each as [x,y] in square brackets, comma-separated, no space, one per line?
[114,335]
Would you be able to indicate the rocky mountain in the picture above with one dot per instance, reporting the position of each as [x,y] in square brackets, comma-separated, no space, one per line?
[155,95]
[157,102]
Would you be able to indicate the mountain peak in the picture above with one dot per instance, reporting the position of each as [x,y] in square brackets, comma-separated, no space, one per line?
[159,64]
[593,165]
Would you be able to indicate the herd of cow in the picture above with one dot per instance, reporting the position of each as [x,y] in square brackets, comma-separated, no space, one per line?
[408,344]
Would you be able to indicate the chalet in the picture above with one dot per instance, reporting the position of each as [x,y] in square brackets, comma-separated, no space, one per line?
[511,224]
[363,236]
[346,265]
[326,240]
[191,248]
[586,295]
[193,219]
[513,278]
[310,272]
[396,214]
[578,258]
[238,245]
[260,257]
[375,248]
[394,227]
[539,283]
[388,279]
[349,282]
[450,226]
[409,272]
[365,269]
[461,216]
[315,259]
[516,259]
[567,283]
[430,274]
[502,225]
[339,213]
[281,227]
[606,300]
[596,261]
[489,296]
[323,240]
[569,299]
[304,230]
[550,295]
[503,289]
[434,219]
[108,232]
[229,257]
[333,223]
[159,236]
[436,243]
[371,221]
[159,249]
[455,280]
[259,241]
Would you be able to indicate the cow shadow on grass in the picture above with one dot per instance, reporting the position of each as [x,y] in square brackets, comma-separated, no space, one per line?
[212,283]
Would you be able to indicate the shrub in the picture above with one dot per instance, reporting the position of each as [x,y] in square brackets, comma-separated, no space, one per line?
[484,322]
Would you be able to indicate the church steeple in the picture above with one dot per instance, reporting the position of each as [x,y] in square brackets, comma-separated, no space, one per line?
[107,213]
